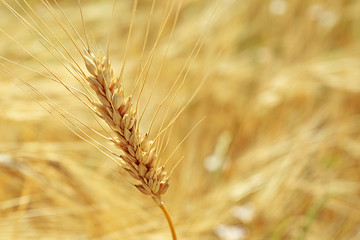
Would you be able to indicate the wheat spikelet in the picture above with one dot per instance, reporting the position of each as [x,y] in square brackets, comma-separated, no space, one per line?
[139,154]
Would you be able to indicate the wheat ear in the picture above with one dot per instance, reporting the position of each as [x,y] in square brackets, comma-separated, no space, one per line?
[139,153]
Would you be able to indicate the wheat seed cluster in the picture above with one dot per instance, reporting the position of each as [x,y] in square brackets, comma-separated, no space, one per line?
[139,153]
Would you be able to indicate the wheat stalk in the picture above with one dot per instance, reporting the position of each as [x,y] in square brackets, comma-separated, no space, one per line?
[139,154]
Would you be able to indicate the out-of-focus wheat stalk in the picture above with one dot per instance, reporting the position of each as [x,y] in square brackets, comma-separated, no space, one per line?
[276,158]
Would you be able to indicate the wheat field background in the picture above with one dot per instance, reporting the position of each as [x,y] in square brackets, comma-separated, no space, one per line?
[276,156]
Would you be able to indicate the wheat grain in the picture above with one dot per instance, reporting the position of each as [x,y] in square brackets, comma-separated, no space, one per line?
[139,153]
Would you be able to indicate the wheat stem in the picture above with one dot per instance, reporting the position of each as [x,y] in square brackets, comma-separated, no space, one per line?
[168,218]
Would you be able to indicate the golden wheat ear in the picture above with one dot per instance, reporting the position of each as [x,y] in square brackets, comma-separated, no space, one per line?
[139,154]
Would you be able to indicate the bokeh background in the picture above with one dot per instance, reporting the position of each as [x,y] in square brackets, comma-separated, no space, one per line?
[276,156]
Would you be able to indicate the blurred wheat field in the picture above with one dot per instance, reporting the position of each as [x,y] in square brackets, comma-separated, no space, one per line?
[276,157]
